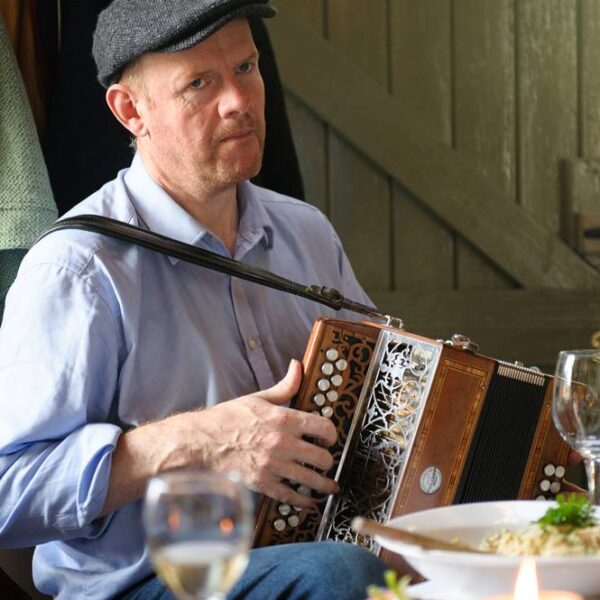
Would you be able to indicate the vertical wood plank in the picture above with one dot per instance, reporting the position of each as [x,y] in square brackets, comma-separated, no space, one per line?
[310,138]
[590,78]
[420,45]
[547,102]
[484,113]
[359,192]
[311,11]
[308,130]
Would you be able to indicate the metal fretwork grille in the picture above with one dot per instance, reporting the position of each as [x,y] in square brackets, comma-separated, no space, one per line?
[392,401]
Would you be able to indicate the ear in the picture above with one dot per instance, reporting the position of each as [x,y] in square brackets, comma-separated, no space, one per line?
[123,102]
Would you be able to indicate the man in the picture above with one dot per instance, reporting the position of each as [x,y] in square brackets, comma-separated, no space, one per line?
[117,363]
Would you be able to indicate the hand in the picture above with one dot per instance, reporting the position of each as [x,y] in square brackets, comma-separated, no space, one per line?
[263,441]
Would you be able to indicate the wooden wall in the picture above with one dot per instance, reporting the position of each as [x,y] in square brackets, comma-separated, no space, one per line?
[436,135]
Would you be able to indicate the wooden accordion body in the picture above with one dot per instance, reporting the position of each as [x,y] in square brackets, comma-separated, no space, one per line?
[420,424]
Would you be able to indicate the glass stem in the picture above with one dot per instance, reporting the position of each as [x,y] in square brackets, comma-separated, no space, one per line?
[592,470]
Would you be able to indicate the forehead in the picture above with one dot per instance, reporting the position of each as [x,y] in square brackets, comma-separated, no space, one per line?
[230,43]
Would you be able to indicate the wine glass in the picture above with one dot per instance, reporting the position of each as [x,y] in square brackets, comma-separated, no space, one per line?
[199,528]
[576,409]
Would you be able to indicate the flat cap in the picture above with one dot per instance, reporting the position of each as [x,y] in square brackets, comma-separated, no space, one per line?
[126,29]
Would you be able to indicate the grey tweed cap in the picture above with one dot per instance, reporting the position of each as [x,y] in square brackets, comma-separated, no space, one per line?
[126,29]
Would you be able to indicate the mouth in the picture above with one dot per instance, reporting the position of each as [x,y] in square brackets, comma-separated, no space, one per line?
[239,134]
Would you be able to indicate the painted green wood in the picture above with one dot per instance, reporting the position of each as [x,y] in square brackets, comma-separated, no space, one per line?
[484,113]
[308,130]
[312,11]
[589,113]
[402,145]
[420,43]
[546,102]
[581,187]
[526,325]
[310,138]
[359,192]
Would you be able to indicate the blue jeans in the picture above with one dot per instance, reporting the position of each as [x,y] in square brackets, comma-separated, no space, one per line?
[307,571]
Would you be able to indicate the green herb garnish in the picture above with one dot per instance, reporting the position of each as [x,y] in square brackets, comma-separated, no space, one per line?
[396,590]
[575,511]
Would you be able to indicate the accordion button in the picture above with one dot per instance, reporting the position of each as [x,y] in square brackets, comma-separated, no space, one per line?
[319,399]
[341,365]
[332,354]
[279,524]
[332,395]
[323,384]
[544,485]
[293,521]
[560,472]
[337,380]
[555,487]
[327,411]
[549,470]
[284,509]
[304,490]
[541,497]
[327,368]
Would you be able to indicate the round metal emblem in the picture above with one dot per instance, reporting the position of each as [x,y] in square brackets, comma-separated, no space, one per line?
[431,480]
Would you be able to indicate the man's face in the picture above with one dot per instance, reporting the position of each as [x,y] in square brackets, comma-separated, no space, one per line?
[204,112]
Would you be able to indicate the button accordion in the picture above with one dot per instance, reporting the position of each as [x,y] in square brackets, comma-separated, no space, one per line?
[421,423]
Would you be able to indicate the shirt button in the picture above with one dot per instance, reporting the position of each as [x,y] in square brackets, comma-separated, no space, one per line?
[252,344]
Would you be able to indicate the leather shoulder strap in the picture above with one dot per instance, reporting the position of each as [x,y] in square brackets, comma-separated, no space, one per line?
[210,260]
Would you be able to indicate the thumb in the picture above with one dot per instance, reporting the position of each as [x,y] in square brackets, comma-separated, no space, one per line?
[282,391]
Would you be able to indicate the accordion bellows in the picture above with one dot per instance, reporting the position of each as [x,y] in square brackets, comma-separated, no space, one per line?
[420,424]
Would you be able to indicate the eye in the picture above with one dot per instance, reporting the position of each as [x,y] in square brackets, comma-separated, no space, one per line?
[246,67]
[198,83]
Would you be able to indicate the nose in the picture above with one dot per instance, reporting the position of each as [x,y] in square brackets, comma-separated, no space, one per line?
[235,99]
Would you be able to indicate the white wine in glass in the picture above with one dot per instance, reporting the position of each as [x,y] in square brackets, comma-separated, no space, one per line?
[199,528]
[576,409]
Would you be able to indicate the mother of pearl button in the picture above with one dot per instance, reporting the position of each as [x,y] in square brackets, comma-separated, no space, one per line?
[327,368]
[327,411]
[323,384]
[332,354]
[319,399]
[337,380]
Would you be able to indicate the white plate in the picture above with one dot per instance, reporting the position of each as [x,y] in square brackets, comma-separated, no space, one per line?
[481,574]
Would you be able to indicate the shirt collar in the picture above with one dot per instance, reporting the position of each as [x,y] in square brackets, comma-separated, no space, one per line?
[158,212]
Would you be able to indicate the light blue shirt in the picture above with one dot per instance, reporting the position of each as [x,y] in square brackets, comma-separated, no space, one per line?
[100,336]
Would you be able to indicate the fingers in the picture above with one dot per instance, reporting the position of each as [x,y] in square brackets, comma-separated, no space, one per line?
[284,493]
[305,453]
[288,387]
[277,488]
[315,426]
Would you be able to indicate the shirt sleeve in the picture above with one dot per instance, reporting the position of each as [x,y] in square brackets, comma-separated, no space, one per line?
[59,357]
